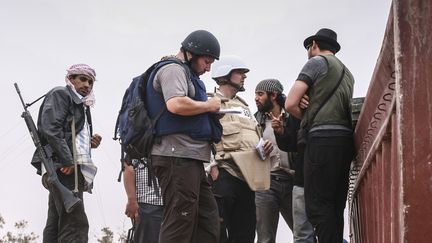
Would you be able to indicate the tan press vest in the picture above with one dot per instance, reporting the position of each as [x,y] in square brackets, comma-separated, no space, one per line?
[241,133]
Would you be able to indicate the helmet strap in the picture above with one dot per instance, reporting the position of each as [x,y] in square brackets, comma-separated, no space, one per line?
[187,60]
[234,85]
[185,56]
[226,80]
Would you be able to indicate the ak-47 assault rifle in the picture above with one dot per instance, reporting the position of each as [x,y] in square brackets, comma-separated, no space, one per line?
[69,199]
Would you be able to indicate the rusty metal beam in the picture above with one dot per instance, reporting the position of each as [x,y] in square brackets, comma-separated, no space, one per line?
[391,180]
[413,51]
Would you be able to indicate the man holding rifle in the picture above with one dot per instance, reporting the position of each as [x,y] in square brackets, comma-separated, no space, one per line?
[65,129]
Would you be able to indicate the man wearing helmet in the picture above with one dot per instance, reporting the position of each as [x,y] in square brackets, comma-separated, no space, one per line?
[63,109]
[230,73]
[184,136]
[241,133]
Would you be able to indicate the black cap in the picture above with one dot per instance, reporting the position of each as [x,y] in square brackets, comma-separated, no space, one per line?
[327,36]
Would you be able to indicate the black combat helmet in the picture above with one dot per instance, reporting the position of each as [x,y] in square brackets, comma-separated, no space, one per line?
[202,42]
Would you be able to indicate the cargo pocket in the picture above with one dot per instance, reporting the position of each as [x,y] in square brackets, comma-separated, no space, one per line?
[231,136]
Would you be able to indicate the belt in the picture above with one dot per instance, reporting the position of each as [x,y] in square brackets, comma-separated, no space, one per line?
[280,178]
[330,127]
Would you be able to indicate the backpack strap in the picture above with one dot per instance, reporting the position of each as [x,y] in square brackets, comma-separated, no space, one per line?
[116,127]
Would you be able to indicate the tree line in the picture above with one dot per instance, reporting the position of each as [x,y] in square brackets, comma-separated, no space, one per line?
[20,234]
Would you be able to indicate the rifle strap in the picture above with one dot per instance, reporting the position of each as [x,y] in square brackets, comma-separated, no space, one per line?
[74,153]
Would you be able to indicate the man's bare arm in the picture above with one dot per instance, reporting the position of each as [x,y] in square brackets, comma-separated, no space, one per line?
[295,95]
[185,106]
[132,207]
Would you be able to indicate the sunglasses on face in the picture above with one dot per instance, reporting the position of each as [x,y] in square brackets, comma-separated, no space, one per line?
[308,46]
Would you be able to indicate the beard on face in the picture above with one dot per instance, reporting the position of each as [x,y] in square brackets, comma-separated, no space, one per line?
[195,66]
[266,107]
[83,92]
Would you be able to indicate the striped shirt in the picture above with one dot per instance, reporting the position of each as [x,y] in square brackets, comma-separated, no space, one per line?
[83,152]
[83,156]
[144,192]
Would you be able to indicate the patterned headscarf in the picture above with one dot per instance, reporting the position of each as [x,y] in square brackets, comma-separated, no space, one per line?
[82,69]
[269,85]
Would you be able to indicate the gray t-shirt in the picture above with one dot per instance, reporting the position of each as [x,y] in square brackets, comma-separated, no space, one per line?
[314,70]
[173,82]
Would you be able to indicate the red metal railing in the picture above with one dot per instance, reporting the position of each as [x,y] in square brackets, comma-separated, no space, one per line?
[390,194]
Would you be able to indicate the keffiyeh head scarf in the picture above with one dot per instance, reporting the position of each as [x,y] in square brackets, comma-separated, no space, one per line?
[82,69]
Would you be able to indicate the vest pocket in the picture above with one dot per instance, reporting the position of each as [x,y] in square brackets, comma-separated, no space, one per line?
[231,137]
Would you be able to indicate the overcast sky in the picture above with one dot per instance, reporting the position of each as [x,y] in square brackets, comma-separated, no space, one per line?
[120,39]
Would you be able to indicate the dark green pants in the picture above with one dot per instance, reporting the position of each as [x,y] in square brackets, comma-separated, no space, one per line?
[65,227]
[190,214]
